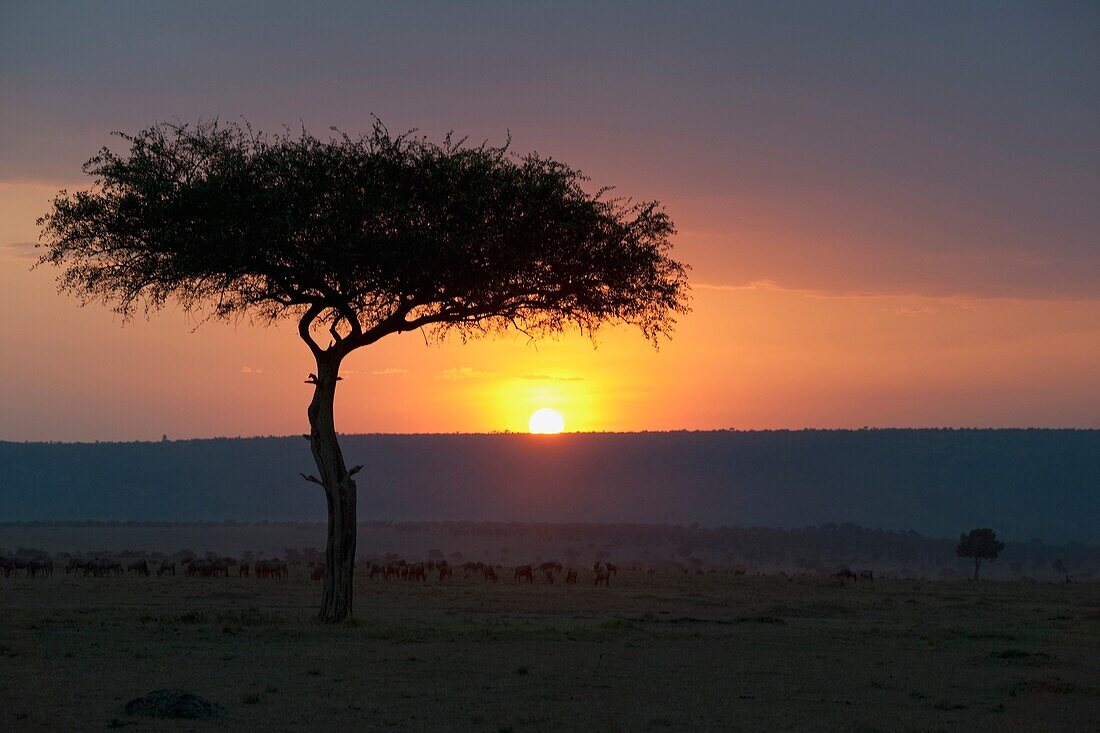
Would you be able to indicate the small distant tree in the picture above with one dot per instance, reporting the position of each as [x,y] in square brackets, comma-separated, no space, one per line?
[1060,568]
[980,544]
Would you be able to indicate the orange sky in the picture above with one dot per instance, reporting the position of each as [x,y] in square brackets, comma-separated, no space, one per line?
[750,356]
[889,211]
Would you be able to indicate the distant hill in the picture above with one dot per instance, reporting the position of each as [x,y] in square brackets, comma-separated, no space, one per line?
[1024,483]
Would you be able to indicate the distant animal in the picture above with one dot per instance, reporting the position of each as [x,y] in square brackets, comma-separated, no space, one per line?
[243,569]
[417,571]
[166,569]
[602,576]
[524,572]
[550,566]
[138,568]
[490,574]
[612,569]
[317,571]
[867,575]
[445,571]
[38,567]
[571,576]
[844,574]
[271,569]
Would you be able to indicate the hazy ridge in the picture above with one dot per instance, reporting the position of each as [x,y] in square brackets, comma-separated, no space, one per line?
[1024,483]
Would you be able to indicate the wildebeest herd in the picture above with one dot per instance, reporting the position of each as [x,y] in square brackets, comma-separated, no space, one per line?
[33,567]
[392,568]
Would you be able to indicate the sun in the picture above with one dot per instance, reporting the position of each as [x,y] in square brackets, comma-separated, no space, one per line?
[546,421]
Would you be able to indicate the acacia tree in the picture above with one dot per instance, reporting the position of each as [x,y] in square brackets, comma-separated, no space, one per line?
[979,544]
[357,238]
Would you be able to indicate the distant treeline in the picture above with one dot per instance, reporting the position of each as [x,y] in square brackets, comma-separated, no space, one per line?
[811,549]
[1024,483]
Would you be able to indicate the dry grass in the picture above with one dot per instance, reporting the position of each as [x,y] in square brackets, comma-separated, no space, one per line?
[652,653]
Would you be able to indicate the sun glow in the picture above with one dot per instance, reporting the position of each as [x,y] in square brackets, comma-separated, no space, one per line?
[546,421]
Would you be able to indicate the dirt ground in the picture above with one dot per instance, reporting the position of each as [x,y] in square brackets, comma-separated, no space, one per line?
[660,652]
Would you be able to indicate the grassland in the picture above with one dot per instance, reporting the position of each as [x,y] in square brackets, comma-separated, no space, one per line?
[662,652]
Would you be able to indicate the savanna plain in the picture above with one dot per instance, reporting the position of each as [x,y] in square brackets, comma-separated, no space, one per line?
[654,651]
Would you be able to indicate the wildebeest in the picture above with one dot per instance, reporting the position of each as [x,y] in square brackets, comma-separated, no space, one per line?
[602,576]
[41,566]
[444,571]
[571,576]
[550,566]
[140,567]
[844,574]
[243,570]
[271,569]
[490,574]
[166,569]
[522,572]
[868,575]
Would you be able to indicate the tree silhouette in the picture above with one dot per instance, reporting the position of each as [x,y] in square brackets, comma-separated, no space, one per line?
[357,238]
[980,544]
[1059,566]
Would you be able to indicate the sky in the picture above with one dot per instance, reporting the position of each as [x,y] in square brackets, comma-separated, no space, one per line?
[889,208]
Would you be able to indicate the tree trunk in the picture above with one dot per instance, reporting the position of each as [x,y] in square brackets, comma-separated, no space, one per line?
[977,564]
[336,600]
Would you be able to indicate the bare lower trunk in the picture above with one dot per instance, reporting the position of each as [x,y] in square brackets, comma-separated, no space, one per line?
[336,600]
[977,566]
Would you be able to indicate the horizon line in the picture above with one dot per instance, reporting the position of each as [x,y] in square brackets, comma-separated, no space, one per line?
[552,436]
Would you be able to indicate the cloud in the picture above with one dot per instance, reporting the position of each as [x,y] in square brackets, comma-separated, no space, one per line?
[464,372]
[389,372]
[548,378]
[22,250]
[771,286]
[961,299]
[912,311]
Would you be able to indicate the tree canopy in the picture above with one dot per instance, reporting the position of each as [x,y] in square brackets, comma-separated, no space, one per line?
[980,544]
[365,236]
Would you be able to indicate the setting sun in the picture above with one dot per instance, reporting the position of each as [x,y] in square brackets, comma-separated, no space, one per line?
[546,421]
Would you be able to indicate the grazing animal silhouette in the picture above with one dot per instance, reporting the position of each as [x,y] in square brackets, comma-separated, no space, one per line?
[524,572]
[139,568]
[571,577]
[490,574]
[604,577]
[444,571]
[166,569]
[868,575]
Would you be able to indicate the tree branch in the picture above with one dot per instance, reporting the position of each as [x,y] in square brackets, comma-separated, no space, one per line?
[305,322]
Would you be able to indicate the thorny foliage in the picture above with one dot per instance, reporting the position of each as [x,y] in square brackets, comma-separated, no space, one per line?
[364,236]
